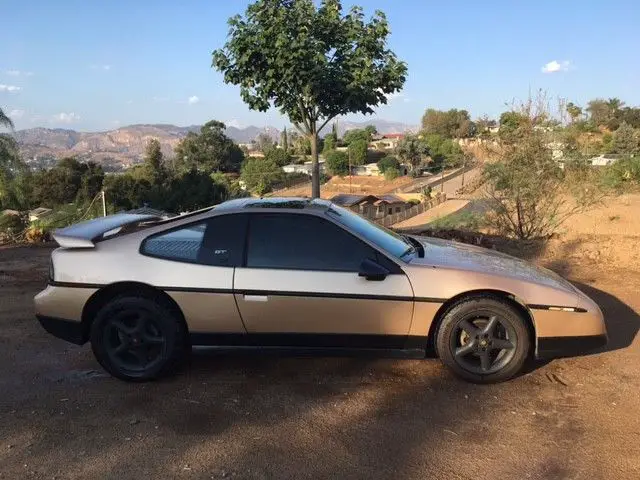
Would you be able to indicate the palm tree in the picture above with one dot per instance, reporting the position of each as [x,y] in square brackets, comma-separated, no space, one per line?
[5,120]
[615,104]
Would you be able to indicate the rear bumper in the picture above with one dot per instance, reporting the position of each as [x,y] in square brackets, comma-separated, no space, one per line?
[555,347]
[65,329]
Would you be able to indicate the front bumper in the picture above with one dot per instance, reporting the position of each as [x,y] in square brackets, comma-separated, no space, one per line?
[65,329]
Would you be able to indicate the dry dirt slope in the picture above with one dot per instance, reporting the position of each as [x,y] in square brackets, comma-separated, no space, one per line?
[249,416]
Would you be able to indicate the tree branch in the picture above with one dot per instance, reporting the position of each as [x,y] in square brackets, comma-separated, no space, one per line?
[324,124]
[299,128]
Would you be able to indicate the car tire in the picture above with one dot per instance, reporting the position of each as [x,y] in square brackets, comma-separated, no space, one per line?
[138,339]
[483,340]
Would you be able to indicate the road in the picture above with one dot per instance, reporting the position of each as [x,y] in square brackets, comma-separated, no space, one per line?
[268,416]
[451,185]
[439,211]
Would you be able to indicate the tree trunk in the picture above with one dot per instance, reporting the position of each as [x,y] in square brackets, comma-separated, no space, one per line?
[315,166]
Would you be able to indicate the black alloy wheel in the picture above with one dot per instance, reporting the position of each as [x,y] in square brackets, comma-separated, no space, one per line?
[138,338]
[483,339]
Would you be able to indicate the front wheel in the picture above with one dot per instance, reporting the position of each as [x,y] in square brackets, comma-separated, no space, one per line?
[483,340]
[137,338]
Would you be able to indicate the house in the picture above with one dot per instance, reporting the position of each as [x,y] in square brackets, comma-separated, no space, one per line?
[372,206]
[368,170]
[388,141]
[39,213]
[305,168]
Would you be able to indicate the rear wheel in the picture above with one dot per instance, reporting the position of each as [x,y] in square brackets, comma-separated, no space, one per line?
[483,340]
[137,339]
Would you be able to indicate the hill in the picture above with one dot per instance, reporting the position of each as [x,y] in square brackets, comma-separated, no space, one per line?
[123,147]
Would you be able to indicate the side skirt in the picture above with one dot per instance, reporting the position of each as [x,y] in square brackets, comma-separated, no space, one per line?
[315,343]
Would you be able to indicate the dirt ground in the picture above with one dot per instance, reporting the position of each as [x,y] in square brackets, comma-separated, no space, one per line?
[245,415]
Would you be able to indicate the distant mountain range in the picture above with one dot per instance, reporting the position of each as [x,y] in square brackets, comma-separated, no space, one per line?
[120,148]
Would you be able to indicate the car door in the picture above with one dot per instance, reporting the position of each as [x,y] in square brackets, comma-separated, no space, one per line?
[194,264]
[300,285]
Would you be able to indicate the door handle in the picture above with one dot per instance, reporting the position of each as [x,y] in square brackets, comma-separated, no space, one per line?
[256,298]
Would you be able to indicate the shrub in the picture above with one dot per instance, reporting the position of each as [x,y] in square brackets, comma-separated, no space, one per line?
[388,162]
[391,174]
[337,163]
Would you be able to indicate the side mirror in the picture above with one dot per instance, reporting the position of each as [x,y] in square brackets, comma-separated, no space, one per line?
[372,271]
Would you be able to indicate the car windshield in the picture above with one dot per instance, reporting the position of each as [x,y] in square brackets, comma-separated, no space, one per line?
[386,239]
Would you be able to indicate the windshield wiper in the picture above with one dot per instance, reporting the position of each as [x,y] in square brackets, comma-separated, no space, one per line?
[415,245]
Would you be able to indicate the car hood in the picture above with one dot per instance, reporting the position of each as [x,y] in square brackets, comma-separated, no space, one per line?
[448,254]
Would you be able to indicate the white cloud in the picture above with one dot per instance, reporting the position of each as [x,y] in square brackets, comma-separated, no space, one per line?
[16,113]
[66,117]
[9,88]
[193,100]
[555,66]
[233,123]
[160,99]
[18,73]
[105,68]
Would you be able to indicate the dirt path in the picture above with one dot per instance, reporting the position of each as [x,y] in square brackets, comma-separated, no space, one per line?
[252,416]
[439,211]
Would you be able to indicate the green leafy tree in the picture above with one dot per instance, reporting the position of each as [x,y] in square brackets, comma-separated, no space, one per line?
[626,140]
[355,135]
[311,62]
[278,155]
[574,111]
[334,130]
[330,143]
[387,163]
[5,121]
[91,181]
[450,124]
[264,142]
[357,151]
[260,174]
[154,168]
[413,150]
[191,191]
[599,111]
[209,151]
[510,122]
[124,192]
[444,151]
[337,163]
[284,140]
[629,115]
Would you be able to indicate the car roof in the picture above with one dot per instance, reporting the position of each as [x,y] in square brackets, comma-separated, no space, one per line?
[274,203]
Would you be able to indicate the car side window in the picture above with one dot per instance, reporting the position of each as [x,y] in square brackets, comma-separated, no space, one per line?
[180,244]
[303,242]
[218,241]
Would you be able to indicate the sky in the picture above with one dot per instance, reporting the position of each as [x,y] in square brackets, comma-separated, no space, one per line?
[99,65]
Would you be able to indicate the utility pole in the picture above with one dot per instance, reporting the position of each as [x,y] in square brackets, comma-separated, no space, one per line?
[104,204]
[349,152]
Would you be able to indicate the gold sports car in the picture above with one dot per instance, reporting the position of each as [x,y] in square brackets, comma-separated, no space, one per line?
[306,274]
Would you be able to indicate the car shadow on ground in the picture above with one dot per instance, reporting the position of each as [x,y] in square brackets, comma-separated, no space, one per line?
[621,320]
